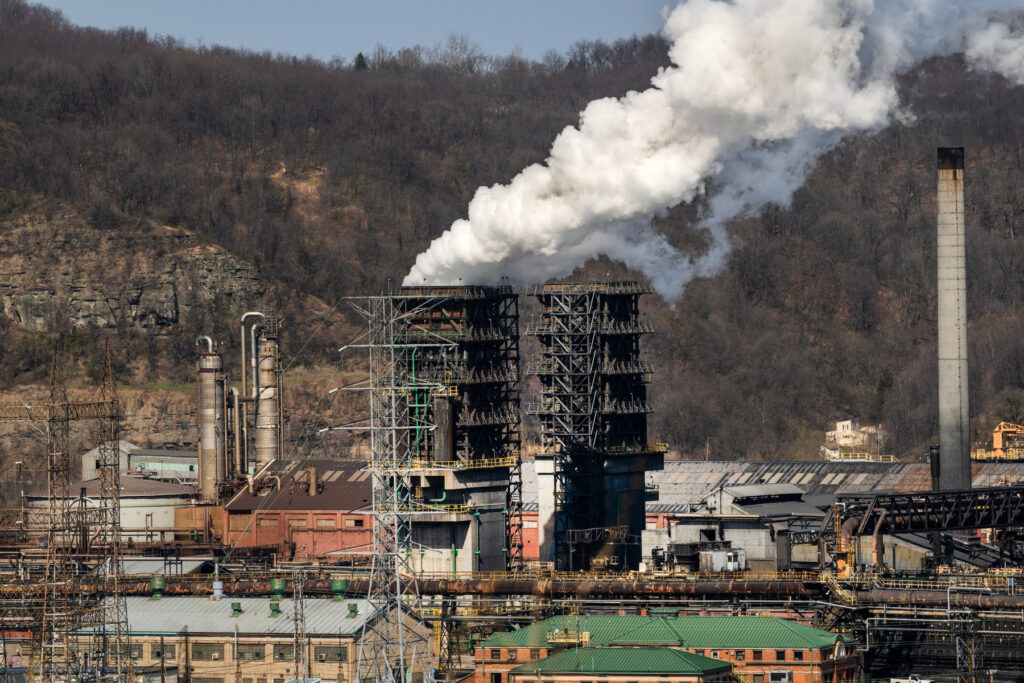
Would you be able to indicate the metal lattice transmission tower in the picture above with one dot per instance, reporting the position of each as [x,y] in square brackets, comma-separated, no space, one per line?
[388,647]
[78,536]
[109,621]
[60,613]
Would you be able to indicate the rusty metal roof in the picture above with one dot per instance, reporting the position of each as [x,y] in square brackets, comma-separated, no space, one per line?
[342,485]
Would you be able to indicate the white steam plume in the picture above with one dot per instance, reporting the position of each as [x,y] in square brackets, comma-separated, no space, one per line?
[757,90]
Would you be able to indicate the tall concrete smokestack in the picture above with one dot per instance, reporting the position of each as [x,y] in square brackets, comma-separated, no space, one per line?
[954,416]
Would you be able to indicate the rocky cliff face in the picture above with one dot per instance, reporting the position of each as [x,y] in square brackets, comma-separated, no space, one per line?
[56,270]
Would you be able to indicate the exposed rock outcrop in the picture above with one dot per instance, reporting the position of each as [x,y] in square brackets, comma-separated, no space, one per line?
[56,270]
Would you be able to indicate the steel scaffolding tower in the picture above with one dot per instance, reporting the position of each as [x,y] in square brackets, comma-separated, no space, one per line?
[592,409]
[476,415]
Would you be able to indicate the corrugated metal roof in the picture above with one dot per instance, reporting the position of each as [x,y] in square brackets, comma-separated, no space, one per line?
[343,485]
[624,660]
[709,632]
[198,615]
[131,487]
[158,565]
[690,481]
[764,490]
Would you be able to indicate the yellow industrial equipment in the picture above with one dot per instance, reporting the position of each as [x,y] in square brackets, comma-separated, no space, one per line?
[1007,443]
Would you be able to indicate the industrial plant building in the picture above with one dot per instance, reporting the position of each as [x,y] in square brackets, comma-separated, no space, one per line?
[758,648]
[461,519]
[240,638]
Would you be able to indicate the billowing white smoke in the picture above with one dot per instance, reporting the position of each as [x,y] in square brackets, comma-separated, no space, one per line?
[756,91]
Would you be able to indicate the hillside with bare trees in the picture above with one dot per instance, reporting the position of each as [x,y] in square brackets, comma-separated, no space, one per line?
[316,180]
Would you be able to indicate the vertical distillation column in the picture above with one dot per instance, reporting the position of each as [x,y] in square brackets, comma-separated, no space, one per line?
[268,406]
[211,420]
[954,415]
[387,647]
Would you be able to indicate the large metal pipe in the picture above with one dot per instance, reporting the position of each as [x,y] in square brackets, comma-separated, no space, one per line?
[239,419]
[954,414]
[210,366]
[268,407]
[245,395]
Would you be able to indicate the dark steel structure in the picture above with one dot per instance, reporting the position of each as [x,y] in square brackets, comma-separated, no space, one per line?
[593,414]
[997,507]
[470,402]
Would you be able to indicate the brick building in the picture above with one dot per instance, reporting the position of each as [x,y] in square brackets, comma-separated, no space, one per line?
[614,664]
[305,509]
[762,649]
[250,640]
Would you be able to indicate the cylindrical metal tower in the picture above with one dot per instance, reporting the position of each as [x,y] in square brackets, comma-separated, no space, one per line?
[954,415]
[211,420]
[268,406]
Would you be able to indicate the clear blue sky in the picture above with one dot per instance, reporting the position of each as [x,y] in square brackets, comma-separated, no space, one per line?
[328,28]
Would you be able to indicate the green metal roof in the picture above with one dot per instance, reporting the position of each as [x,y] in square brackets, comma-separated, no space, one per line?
[624,660]
[706,632]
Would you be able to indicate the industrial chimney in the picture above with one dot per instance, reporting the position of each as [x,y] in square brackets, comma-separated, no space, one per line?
[954,417]
[211,419]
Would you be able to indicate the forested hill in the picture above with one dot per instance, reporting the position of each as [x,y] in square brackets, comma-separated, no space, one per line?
[330,177]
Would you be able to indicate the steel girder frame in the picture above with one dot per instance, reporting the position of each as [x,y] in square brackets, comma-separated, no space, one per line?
[996,507]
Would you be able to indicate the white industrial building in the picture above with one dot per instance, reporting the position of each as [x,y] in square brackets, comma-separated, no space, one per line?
[147,506]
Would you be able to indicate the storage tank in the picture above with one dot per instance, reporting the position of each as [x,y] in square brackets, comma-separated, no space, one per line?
[210,365]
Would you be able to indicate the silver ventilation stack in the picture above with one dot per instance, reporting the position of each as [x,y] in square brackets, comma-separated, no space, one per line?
[954,415]
[212,445]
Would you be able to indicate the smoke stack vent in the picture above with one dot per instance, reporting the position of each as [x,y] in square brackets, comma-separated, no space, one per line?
[954,416]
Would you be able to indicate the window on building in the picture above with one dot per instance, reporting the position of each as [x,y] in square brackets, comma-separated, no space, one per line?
[758,678]
[513,654]
[756,655]
[780,677]
[330,653]
[699,652]
[206,679]
[155,651]
[267,522]
[297,523]
[534,654]
[350,522]
[137,651]
[495,653]
[741,655]
[207,652]
[284,653]
[714,654]
[324,523]
[780,655]
[238,521]
[798,655]
[251,652]
[495,678]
